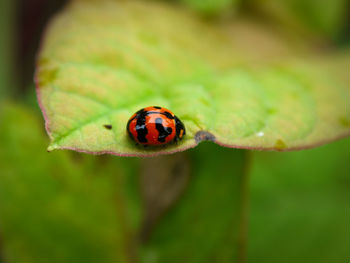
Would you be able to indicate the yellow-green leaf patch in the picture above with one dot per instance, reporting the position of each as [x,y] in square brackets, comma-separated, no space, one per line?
[103,60]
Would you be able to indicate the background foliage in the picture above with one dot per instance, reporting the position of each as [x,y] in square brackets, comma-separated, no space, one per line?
[69,207]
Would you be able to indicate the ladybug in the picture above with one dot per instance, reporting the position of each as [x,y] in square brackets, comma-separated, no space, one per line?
[155,126]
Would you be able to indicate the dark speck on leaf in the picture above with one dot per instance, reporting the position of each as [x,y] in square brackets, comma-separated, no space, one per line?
[204,136]
[108,126]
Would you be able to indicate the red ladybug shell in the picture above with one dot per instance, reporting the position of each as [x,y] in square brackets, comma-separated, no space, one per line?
[155,126]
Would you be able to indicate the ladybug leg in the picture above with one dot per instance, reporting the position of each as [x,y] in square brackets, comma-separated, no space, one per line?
[145,146]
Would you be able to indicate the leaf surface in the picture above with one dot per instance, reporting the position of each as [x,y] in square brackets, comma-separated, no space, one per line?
[102,61]
[212,7]
[320,18]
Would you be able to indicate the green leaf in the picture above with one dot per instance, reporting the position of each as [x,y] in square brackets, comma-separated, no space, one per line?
[204,224]
[313,17]
[103,60]
[59,207]
[211,7]
[300,206]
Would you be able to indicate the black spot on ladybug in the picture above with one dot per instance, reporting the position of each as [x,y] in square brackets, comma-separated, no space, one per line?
[163,131]
[179,126]
[141,128]
[108,126]
[168,115]
[204,136]
[127,127]
[157,107]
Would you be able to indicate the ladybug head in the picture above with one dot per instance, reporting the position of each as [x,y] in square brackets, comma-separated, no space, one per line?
[180,128]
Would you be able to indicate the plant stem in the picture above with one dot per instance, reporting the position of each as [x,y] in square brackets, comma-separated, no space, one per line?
[129,240]
[163,181]
[244,210]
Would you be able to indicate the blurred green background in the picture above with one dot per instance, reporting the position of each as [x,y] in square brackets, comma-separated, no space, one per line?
[69,207]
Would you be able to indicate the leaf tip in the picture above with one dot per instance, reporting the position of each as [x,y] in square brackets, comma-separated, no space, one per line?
[52,147]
